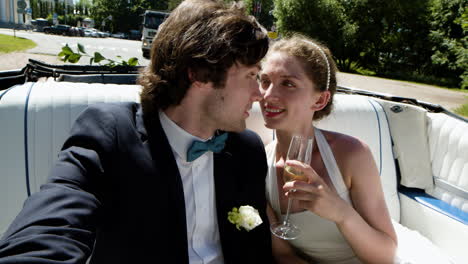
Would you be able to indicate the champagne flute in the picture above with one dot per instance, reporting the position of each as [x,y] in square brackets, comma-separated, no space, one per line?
[300,149]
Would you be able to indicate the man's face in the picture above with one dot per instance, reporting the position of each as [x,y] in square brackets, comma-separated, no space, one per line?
[227,107]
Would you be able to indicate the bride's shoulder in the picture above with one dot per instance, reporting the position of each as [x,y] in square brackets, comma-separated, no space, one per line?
[345,145]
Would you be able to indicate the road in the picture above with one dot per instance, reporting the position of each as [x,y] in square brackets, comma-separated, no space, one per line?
[108,47]
[48,46]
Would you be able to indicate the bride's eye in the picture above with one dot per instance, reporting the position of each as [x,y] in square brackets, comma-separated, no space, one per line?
[288,83]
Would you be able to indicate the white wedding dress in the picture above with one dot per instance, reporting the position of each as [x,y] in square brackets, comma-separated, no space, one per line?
[320,239]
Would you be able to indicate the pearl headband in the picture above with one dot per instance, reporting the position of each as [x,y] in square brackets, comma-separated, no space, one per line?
[326,60]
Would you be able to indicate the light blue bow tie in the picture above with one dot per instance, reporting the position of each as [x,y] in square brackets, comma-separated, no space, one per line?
[198,148]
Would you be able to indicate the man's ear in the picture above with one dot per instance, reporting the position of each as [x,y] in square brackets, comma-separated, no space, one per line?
[192,78]
[206,86]
[321,101]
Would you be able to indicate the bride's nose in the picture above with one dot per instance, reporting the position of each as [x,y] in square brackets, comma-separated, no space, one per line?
[269,93]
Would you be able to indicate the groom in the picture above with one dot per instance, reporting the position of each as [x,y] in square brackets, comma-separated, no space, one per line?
[152,183]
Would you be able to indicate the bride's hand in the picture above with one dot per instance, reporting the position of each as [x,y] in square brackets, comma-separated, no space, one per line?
[315,195]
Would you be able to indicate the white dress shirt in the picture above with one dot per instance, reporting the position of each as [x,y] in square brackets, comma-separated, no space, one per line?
[204,244]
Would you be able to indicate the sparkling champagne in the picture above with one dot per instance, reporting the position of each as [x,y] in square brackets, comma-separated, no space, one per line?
[290,174]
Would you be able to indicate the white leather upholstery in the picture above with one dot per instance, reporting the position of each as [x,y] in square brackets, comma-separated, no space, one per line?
[408,126]
[13,189]
[450,235]
[52,109]
[448,144]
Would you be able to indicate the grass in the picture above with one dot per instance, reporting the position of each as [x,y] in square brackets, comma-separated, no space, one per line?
[462,110]
[9,44]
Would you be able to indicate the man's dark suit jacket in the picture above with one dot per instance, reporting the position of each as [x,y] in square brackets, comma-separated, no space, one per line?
[116,192]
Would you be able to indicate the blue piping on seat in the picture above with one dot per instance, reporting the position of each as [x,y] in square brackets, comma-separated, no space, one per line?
[438,205]
[28,188]
[380,135]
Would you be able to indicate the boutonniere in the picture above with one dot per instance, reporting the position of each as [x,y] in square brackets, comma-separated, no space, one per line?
[246,216]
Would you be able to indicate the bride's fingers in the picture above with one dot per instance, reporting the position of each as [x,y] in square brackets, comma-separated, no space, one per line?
[304,186]
[302,196]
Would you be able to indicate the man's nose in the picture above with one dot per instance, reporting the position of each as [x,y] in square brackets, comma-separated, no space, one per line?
[257,93]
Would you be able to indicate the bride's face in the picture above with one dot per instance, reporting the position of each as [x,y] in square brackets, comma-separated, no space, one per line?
[289,96]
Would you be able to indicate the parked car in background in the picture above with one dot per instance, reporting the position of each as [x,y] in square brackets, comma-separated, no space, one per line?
[58,30]
[91,32]
[134,34]
[39,24]
[120,35]
[103,34]
[87,32]
[75,31]
[81,31]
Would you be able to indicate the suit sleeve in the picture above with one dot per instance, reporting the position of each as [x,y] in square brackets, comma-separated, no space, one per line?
[58,223]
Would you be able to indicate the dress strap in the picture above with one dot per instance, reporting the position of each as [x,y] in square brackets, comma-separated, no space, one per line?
[330,164]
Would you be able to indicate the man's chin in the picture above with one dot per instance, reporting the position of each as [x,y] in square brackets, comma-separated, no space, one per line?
[237,128]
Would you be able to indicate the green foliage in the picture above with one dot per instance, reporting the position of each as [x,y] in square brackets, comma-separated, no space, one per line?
[375,34]
[449,28]
[262,10]
[68,55]
[172,4]
[419,39]
[126,16]
[82,7]
[462,110]
[41,8]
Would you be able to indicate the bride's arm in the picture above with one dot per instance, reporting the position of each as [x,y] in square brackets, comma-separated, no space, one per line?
[367,227]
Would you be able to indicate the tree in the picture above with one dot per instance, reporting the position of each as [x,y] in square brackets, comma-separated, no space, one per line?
[449,28]
[326,21]
[262,10]
[376,34]
[128,12]
[172,4]
[39,9]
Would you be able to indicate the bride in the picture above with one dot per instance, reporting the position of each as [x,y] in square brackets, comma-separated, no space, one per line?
[341,208]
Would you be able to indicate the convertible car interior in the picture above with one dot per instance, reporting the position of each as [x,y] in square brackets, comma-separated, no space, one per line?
[421,152]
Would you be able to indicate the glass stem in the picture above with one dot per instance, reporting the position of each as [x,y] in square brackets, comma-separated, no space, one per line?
[286,219]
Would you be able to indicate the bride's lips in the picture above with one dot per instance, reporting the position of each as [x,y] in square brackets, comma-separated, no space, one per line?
[271,111]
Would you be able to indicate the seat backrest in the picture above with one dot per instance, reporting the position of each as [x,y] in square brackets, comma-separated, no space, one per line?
[448,145]
[36,118]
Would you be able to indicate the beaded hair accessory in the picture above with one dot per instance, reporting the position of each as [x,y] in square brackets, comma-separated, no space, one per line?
[326,61]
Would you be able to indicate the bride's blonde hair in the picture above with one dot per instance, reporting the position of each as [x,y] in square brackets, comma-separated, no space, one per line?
[317,62]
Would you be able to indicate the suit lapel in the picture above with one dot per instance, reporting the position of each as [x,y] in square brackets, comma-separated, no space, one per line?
[226,188]
[172,233]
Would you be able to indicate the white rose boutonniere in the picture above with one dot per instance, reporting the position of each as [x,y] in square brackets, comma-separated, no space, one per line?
[246,216]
